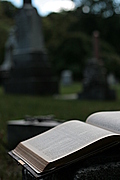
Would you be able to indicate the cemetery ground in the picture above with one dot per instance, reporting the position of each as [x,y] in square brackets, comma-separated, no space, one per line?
[15,107]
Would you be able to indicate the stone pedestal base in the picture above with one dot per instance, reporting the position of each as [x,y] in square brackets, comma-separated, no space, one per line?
[32,86]
[97,93]
[32,74]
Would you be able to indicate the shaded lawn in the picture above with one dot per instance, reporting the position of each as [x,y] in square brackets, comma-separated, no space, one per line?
[14,107]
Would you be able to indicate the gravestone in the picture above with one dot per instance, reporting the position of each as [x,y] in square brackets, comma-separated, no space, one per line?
[66,77]
[30,71]
[111,79]
[95,84]
[30,127]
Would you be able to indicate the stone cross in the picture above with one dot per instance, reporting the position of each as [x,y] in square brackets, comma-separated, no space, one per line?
[96,45]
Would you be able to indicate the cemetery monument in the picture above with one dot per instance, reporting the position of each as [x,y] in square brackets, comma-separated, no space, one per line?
[66,77]
[26,68]
[95,84]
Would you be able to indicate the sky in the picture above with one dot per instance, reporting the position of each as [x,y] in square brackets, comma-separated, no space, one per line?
[44,7]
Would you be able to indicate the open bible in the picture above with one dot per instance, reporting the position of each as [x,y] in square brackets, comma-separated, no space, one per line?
[68,142]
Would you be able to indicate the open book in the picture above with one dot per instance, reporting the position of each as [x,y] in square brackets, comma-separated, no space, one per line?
[68,142]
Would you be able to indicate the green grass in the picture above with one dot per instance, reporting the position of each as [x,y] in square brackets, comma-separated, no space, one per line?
[73,88]
[14,107]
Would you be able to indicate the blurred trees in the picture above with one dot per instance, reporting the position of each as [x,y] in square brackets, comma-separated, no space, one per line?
[68,35]
[68,38]
[7,12]
[105,8]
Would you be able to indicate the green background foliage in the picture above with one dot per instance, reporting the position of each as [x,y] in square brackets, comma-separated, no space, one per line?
[68,36]
[69,40]
[7,13]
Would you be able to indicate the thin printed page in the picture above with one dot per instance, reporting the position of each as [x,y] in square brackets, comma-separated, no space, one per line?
[109,120]
[65,139]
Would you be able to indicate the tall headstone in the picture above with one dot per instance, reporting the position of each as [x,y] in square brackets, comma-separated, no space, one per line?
[31,71]
[95,84]
[66,77]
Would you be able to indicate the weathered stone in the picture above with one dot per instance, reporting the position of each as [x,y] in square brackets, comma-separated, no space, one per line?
[66,77]
[95,84]
[30,126]
[30,71]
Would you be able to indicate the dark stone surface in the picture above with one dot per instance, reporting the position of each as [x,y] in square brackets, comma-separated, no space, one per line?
[95,86]
[110,171]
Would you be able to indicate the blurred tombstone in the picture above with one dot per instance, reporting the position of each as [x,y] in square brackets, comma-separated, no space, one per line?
[66,77]
[29,70]
[95,84]
[20,130]
[111,79]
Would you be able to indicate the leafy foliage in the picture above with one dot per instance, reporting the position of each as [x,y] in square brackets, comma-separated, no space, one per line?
[7,12]
[68,38]
[105,8]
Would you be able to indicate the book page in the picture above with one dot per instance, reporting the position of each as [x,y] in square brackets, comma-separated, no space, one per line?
[107,120]
[65,139]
